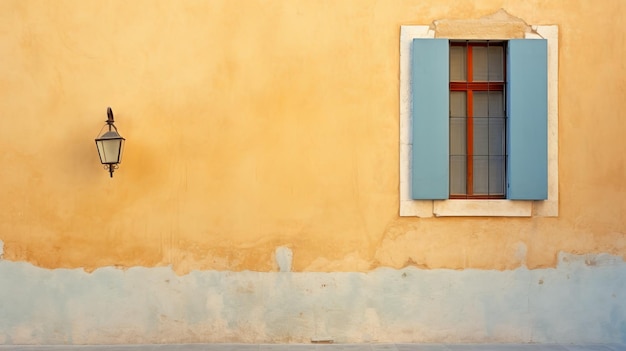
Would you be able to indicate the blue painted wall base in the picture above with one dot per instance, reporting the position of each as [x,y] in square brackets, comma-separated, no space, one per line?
[581,301]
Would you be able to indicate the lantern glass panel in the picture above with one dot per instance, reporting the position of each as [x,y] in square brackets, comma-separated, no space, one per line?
[109,149]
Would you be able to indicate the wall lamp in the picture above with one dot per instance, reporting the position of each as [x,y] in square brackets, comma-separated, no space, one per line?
[110,145]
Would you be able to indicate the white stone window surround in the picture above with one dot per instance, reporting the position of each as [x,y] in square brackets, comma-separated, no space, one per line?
[501,208]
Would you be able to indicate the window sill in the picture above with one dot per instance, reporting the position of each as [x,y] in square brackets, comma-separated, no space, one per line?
[497,208]
[471,208]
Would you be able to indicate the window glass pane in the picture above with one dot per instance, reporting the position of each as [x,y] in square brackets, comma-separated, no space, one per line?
[496,123]
[481,104]
[458,104]
[496,175]
[489,143]
[458,142]
[488,104]
[496,136]
[481,175]
[458,64]
[458,171]
[458,122]
[489,132]
[488,63]
[479,60]
[481,133]
[496,63]
[458,136]
[496,104]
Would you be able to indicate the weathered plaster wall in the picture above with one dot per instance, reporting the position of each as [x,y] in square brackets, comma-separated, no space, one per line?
[263,128]
[582,300]
[252,125]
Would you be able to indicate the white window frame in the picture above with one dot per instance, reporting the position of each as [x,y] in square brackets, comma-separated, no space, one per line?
[503,208]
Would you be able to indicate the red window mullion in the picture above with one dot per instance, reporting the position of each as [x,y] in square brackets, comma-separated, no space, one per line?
[463,86]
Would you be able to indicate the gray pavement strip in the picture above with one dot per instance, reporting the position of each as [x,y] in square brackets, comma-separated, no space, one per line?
[320,347]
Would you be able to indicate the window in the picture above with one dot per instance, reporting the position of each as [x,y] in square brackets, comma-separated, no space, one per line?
[484,133]
[477,120]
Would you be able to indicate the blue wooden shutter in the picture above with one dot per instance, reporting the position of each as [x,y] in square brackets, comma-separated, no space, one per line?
[527,106]
[430,114]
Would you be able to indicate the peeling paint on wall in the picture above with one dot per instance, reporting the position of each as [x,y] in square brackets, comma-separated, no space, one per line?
[582,300]
[497,25]
[284,259]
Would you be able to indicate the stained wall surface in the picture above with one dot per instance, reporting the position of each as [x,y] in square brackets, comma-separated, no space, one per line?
[579,301]
[253,126]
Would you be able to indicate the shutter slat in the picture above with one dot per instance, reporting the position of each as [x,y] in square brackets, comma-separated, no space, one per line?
[527,105]
[430,117]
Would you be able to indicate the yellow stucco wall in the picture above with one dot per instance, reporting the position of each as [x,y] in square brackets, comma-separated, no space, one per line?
[257,124]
